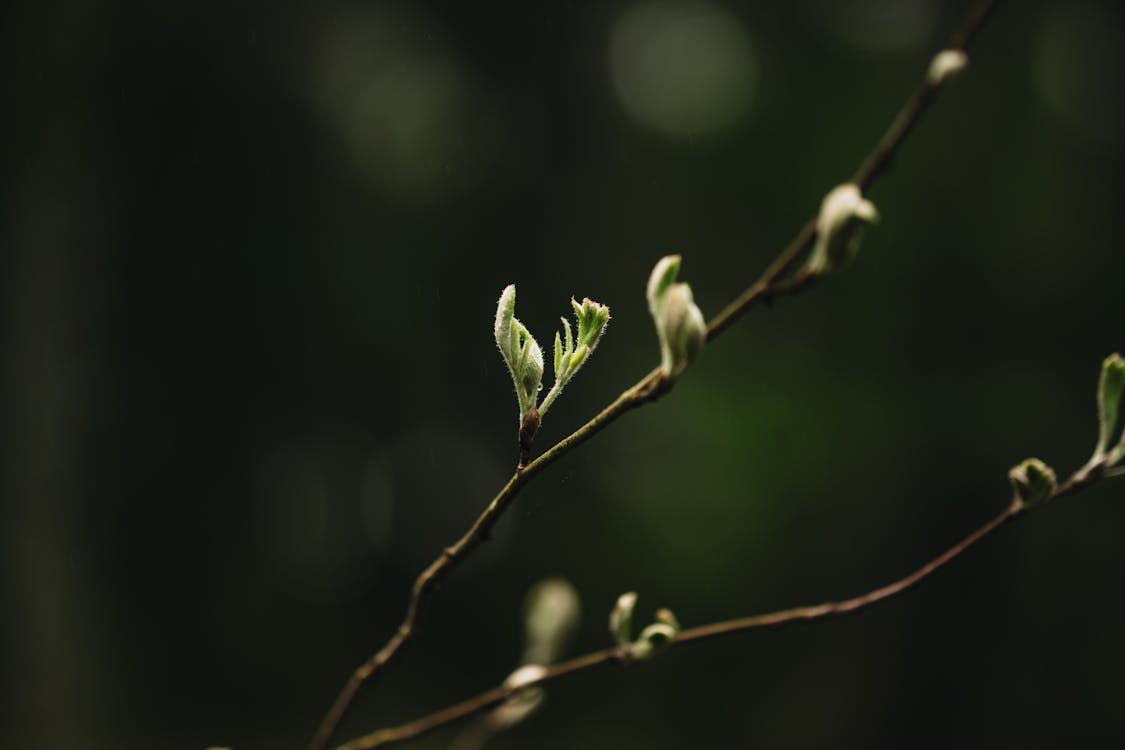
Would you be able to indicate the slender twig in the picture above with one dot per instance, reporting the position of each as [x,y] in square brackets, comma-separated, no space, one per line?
[1081,479]
[649,388]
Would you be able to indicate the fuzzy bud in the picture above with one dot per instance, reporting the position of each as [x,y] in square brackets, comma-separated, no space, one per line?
[680,325]
[1033,483]
[520,350]
[947,64]
[839,227]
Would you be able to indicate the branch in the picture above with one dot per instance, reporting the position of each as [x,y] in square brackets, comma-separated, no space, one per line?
[1081,479]
[649,388]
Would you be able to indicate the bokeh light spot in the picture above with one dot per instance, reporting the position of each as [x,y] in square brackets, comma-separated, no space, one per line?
[1079,71]
[682,67]
[407,114]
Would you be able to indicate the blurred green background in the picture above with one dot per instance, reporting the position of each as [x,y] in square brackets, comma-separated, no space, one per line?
[251,258]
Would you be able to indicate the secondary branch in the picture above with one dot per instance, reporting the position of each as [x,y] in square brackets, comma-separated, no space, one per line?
[1081,479]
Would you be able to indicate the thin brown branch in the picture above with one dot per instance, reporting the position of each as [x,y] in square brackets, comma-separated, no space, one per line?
[649,388]
[490,698]
[873,166]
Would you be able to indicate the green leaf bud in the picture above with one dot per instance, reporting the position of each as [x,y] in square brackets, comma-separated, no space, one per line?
[1033,483]
[654,639]
[592,321]
[621,619]
[520,351]
[839,228]
[947,64]
[680,325]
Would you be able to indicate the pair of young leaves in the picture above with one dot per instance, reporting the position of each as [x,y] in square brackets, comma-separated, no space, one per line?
[524,356]
[680,328]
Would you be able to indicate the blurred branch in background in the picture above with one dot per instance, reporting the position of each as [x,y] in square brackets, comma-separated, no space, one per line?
[621,655]
[1033,485]
[656,383]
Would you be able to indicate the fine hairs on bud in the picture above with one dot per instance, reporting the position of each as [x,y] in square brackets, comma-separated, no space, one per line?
[653,639]
[680,325]
[947,64]
[520,350]
[839,228]
[570,352]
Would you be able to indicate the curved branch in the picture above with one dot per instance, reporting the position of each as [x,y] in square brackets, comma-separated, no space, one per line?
[1081,479]
[649,388]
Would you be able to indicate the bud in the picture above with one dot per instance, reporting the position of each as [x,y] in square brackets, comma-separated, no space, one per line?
[592,321]
[621,619]
[1111,385]
[1033,483]
[679,323]
[653,640]
[553,610]
[656,637]
[520,351]
[530,363]
[947,64]
[570,354]
[839,228]
[525,676]
[523,702]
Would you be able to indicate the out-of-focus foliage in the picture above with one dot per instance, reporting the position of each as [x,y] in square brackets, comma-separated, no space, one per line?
[250,259]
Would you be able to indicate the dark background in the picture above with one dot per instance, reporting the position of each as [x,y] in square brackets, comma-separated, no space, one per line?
[250,260]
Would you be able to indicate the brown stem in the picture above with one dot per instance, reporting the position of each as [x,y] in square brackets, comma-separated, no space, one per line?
[1079,480]
[649,388]
[873,166]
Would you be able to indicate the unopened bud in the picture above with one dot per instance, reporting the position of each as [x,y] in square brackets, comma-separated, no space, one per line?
[653,640]
[592,318]
[524,676]
[680,325]
[520,350]
[946,64]
[839,227]
[1033,482]
[657,636]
